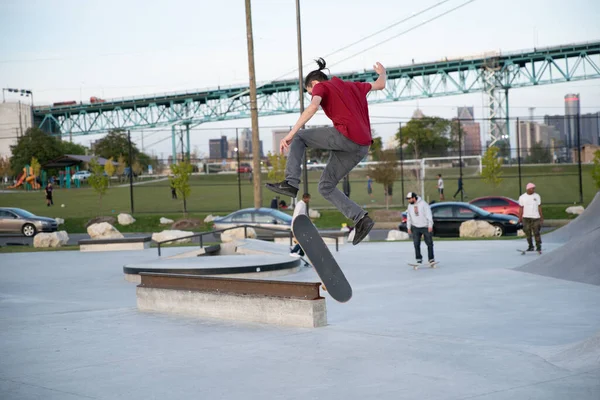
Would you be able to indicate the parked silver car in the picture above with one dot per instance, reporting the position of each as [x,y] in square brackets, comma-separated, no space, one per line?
[19,221]
[257,218]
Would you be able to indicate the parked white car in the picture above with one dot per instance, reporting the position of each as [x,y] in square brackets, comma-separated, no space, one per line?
[81,175]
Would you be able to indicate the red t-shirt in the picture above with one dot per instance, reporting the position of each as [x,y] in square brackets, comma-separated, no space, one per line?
[345,103]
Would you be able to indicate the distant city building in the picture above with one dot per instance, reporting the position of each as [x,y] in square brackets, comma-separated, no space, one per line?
[217,148]
[278,134]
[471,141]
[15,119]
[246,143]
[531,133]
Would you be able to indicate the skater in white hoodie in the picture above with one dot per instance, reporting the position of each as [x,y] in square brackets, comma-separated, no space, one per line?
[420,222]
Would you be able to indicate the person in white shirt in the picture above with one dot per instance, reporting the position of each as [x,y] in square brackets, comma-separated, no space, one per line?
[530,214]
[300,208]
[441,187]
[419,222]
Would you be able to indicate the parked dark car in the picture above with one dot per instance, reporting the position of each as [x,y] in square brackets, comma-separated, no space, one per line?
[497,205]
[19,221]
[447,217]
[258,218]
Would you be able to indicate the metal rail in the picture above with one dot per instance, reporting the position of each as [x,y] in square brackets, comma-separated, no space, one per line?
[202,234]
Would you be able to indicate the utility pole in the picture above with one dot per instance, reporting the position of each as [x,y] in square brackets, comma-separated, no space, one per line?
[301,92]
[253,110]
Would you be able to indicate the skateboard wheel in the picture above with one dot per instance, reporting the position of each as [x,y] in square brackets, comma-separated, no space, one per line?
[324,288]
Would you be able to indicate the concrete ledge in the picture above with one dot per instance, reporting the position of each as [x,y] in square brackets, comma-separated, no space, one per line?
[115,244]
[296,304]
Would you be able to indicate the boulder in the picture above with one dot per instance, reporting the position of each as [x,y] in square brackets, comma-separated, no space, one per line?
[59,221]
[210,218]
[237,234]
[97,220]
[54,239]
[476,229]
[172,234]
[186,224]
[125,219]
[574,210]
[165,221]
[314,213]
[103,230]
[397,235]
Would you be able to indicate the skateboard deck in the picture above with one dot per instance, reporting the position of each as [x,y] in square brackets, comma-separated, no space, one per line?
[321,259]
[428,265]
[523,252]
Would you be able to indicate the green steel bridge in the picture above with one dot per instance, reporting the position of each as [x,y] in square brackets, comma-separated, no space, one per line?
[493,73]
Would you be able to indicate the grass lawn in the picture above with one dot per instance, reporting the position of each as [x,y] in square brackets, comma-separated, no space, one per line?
[218,195]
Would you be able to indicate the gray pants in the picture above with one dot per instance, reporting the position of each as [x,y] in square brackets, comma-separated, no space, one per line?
[344,155]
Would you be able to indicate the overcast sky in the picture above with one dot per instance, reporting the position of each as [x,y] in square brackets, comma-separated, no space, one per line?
[71,50]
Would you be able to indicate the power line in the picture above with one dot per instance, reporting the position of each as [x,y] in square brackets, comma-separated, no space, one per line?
[406,31]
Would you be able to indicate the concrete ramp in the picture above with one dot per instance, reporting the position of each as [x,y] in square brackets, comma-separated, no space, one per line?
[577,260]
[580,356]
[588,221]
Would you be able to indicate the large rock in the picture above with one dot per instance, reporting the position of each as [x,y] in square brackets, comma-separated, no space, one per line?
[210,218]
[165,221]
[314,213]
[237,234]
[103,230]
[97,220]
[54,239]
[59,221]
[397,235]
[125,219]
[575,210]
[477,229]
[186,224]
[172,234]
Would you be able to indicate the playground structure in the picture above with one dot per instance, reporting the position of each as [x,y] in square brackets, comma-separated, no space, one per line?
[28,178]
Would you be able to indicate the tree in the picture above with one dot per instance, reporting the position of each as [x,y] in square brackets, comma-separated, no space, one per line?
[115,144]
[277,172]
[385,172]
[426,136]
[5,169]
[34,143]
[181,181]
[538,154]
[35,167]
[376,148]
[97,180]
[137,168]
[596,169]
[73,148]
[492,166]
[109,168]
[121,165]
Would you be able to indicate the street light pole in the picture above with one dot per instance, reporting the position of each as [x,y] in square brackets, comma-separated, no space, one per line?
[237,151]
[301,91]
[253,109]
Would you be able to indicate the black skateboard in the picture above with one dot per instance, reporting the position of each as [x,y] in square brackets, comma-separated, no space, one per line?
[321,258]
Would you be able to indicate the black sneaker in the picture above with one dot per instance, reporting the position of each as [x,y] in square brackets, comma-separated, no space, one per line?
[363,227]
[283,188]
[530,249]
[419,261]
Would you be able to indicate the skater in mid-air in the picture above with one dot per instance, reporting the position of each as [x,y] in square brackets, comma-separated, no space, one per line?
[348,141]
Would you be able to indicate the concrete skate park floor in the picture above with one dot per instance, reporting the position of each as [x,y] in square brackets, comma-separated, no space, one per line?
[471,329]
